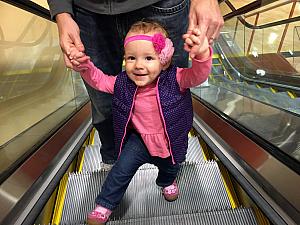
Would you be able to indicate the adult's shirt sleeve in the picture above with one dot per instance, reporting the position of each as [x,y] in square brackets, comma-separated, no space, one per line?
[196,75]
[96,78]
[60,6]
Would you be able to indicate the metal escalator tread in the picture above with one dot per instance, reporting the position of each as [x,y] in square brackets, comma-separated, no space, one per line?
[240,216]
[200,184]
[194,153]
[92,156]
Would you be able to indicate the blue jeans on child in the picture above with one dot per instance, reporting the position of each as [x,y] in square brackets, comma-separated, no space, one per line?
[103,36]
[133,155]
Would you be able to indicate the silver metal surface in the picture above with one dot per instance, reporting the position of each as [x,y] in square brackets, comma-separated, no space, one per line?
[13,189]
[279,176]
[201,189]
[240,216]
[278,127]
[92,156]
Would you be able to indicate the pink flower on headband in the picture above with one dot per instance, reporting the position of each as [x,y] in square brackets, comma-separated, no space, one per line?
[167,52]
[158,41]
[163,46]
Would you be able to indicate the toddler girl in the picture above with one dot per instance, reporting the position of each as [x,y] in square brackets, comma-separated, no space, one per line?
[152,109]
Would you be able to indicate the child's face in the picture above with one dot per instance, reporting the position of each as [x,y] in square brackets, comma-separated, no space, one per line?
[141,61]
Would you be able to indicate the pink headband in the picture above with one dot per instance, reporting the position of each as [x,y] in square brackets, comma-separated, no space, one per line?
[163,46]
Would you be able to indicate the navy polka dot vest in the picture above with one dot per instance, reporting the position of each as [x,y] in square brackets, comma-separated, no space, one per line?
[176,107]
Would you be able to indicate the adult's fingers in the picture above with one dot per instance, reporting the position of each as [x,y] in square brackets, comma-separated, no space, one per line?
[192,22]
[67,62]
[78,43]
[203,30]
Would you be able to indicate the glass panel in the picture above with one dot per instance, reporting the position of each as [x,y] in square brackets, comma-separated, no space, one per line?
[238,4]
[37,92]
[257,85]
[294,58]
[42,3]
[224,8]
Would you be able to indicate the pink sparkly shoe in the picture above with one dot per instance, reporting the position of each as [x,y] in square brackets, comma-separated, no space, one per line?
[171,192]
[98,216]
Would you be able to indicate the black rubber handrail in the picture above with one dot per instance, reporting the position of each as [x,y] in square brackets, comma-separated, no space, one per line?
[250,7]
[30,7]
[237,12]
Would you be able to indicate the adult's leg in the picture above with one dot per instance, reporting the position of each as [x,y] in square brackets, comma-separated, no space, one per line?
[133,155]
[104,45]
[173,15]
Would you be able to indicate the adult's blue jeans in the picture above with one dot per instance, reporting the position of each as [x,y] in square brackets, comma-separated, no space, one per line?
[103,36]
[133,155]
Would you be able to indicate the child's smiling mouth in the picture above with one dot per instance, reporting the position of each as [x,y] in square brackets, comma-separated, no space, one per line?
[139,75]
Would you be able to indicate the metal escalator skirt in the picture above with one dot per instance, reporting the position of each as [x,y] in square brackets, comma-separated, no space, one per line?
[201,189]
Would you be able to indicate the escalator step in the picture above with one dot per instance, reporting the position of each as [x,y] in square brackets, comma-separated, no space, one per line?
[221,217]
[200,185]
[92,156]
[239,216]
[194,152]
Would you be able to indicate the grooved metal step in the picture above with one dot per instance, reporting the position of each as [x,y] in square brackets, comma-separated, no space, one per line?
[201,189]
[222,217]
[92,156]
[240,216]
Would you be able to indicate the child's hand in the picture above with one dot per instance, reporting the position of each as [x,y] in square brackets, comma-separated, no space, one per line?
[194,47]
[77,58]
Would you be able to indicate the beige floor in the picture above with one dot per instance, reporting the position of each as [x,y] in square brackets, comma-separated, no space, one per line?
[266,40]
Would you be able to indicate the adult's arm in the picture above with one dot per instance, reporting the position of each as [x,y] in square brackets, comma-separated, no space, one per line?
[206,15]
[69,34]
[60,6]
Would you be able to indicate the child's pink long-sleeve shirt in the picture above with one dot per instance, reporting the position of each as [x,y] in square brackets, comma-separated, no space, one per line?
[146,118]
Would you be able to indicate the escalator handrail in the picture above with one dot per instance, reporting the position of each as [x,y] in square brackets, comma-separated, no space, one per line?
[287,160]
[297,89]
[56,154]
[240,163]
[31,7]
[237,12]
[252,6]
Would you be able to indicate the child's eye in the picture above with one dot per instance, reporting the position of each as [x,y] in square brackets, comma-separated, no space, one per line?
[130,58]
[149,58]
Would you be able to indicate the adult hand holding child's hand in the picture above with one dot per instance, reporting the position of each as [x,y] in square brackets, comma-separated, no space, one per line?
[193,45]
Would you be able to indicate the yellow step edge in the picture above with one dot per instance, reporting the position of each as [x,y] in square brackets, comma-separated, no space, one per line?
[206,153]
[215,56]
[62,188]
[92,137]
[273,90]
[260,217]
[60,199]
[229,187]
[80,159]
[291,94]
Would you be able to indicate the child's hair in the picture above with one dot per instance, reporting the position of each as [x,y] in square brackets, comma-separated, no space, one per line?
[148,26]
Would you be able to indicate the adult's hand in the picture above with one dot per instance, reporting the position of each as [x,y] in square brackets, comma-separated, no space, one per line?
[69,36]
[206,15]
